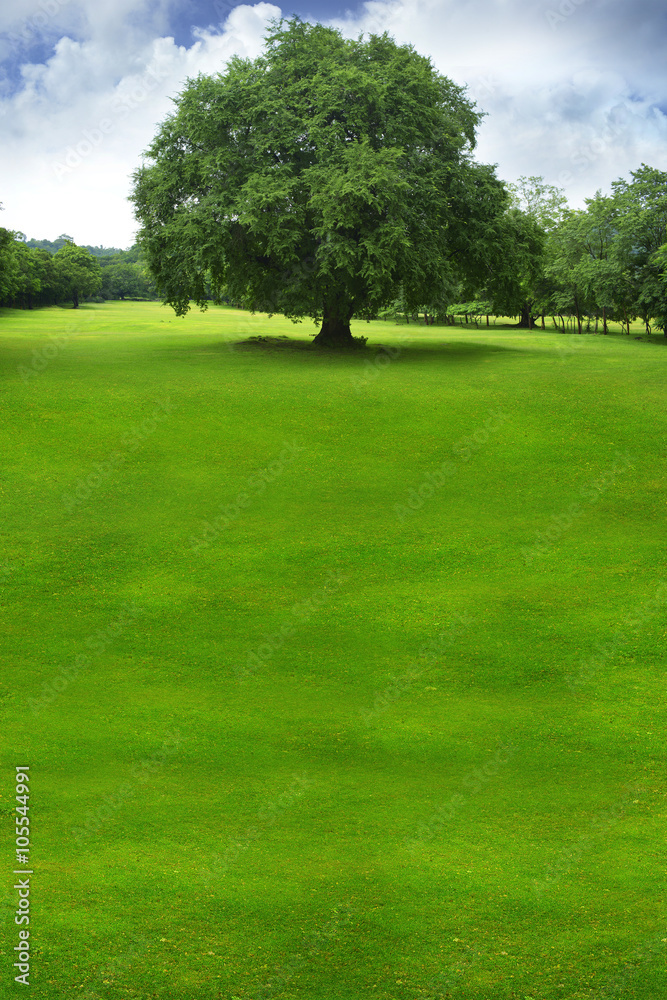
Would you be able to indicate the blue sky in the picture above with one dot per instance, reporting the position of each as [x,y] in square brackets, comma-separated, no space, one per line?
[574,90]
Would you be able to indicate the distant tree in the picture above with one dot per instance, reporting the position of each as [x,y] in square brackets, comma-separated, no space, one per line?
[30,275]
[545,203]
[599,271]
[566,260]
[515,266]
[8,266]
[641,232]
[53,246]
[120,281]
[125,275]
[77,272]
[320,180]
[538,209]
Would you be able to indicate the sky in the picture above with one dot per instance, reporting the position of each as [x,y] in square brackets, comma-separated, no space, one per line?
[574,91]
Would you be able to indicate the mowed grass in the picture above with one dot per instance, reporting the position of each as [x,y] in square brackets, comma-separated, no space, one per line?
[307,714]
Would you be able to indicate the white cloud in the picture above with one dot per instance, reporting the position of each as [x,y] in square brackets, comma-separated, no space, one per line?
[76,129]
[570,87]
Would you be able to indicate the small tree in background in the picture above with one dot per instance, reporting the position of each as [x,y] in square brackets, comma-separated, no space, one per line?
[78,273]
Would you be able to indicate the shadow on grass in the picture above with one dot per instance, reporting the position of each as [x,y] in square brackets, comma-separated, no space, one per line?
[460,351]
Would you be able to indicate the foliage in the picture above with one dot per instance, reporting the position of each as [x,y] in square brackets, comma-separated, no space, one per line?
[565,265]
[32,276]
[316,181]
[474,309]
[123,278]
[642,230]
[8,266]
[606,258]
[78,273]
[53,246]
[514,278]
[515,269]
[545,203]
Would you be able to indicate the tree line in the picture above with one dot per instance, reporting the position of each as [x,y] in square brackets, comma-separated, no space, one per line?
[36,273]
[607,261]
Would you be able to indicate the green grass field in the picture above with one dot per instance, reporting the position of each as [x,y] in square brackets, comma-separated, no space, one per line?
[338,677]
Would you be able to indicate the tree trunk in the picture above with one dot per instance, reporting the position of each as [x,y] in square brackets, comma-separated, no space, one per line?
[526,320]
[576,306]
[335,331]
[487,319]
[75,299]
[604,319]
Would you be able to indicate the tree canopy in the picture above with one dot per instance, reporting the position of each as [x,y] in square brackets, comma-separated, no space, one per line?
[321,179]
[78,272]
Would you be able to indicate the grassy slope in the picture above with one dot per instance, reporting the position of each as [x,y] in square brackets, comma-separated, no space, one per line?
[278,834]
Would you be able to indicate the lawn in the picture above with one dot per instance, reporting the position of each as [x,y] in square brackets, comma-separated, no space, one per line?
[337,676]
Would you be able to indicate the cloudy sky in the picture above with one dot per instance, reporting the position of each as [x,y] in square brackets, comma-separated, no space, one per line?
[574,90]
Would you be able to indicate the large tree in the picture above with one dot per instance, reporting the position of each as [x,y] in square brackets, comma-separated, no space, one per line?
[317,180]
